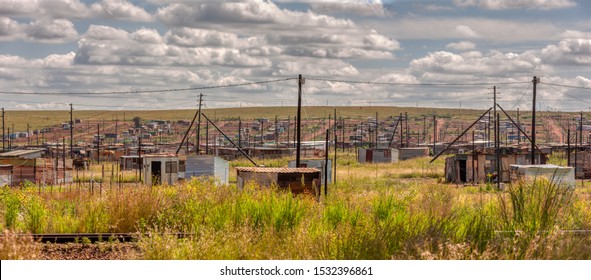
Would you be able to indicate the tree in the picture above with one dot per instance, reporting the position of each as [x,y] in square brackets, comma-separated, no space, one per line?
[137,122]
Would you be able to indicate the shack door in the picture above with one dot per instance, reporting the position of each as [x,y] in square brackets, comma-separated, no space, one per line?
[462,165]
[156,173]
[368,155]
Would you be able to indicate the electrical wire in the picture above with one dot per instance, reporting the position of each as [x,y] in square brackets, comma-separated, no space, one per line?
[413,84]
[566,86]
[565,93]
[522,96]
[154,90]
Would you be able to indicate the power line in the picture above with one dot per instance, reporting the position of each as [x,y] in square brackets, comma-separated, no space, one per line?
[152,91]
[522,96]
[574,97]
[567,86]
[413,84]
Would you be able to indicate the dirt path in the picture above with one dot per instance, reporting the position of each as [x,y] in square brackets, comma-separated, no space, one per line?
[556,132]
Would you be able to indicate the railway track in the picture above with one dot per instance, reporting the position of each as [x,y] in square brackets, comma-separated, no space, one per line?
[89,237]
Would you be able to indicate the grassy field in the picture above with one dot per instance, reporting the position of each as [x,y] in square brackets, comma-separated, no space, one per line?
[374,211]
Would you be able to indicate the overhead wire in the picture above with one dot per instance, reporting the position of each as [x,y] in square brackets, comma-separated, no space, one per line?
[153,90]
[565,93]
[413,84]
[522,96]
[566,86]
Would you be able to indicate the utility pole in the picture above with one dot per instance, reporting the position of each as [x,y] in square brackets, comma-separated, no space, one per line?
[424,129]
[207,138]
[495,119]
[3,134]
[581,129]
[401,130]
[139,154]
[98,142]
[197,143]
[72,131]
[276,133]
[434,132]
[519,129]
[239,132]
[533,121]
[377,126]
[299,119]
[488,131]
[498,152]
[407,135]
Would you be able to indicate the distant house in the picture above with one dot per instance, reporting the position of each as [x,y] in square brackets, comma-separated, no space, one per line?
[5,175]
[27,165]
[581,160]
[204,166]
[315,163]
[414,152]
[377,155]
[23,154]
[481,166]
[129,162]
[296,180]
[160,169]
[560,175]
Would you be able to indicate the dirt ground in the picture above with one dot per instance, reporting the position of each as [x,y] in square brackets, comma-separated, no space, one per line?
[93,251]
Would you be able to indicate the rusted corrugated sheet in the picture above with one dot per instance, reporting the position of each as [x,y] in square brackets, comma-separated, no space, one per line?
[277,170]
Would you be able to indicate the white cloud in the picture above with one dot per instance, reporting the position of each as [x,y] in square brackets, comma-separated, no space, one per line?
[582,81]
[362,8]
[120,10]
[252,12]
[18,7]
[107,45]
[461,46]
[44,8]
[516,4]
[193,37]
[569,51]
[51,31]
[315,67]
[474,65]
[433,7]
[57,61]
[575,34]
[466,31]
[9,29]
[63,8]
[489,29]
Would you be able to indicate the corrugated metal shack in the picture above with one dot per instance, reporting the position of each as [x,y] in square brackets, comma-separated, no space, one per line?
[5,175]
[582,161]
[561,175]
[129,162]
[160,169]
[285,178]
[377,155]
[28,166]
[269,152]
[414,152]
[207,166]
[478,167]
[315,163]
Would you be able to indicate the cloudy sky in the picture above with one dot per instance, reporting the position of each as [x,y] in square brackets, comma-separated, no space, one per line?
[160,54]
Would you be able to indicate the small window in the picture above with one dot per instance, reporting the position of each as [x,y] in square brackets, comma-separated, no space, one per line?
[171,167]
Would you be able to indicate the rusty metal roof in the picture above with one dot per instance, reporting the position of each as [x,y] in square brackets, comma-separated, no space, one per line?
[18,153]
[277,170]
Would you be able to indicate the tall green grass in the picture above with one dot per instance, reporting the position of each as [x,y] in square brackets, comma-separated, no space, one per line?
[365,218]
